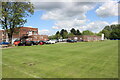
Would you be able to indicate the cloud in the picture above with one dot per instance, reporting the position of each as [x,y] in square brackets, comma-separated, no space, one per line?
[108,9]
[68,11]
[47,5]
[69,15]
[73,14]
[115,22]
[81,25]
[54,27]
[69,24]
[44,32]
[96,26]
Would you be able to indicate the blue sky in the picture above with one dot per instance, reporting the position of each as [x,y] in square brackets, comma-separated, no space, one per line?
[50,17]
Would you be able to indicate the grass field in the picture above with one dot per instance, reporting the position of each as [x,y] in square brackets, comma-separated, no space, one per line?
[67,60]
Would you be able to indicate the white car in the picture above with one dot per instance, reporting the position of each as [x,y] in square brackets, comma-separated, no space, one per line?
[51,42]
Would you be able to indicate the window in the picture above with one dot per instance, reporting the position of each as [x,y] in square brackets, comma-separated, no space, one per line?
[35,32]
[30,33]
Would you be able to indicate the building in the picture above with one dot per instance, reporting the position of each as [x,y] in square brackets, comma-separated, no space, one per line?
[22,31]
[3,36]
[85,38]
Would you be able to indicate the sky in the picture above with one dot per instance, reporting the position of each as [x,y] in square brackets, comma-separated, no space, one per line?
[52,16]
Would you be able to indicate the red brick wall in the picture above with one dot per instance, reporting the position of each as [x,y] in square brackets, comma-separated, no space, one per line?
[24,30]
[86,38]
[39,37]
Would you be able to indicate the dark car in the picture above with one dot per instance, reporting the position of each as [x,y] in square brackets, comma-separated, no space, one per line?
[35,42]
[71,41]
[28,43]
[22,43]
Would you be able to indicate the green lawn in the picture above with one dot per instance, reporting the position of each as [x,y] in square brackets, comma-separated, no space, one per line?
[67,60]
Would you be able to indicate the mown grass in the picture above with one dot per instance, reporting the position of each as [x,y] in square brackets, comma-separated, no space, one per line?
[67,60]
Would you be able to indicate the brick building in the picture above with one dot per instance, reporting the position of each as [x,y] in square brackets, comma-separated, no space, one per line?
[22,31]
[86,38]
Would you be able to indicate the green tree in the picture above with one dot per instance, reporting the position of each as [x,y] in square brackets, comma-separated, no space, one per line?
[87,32]
[13,16]
[57,35]
[115,34]
[52,37]
[73,31]
[107,33]
[70,34]
[63,33]
[78,32]
[112,31]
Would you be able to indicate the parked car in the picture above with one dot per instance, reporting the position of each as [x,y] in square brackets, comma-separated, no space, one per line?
[60,40]
[35,42]
[51,42]
[71,41]
[42,42]
[23,43]
[64,40]
[55,40]
[16,42]
[28,43]
[4,43]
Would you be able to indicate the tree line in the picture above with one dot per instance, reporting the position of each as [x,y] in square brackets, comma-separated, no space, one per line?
[63,34]
[110,32]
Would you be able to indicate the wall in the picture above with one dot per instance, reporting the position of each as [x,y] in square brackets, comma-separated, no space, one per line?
[85,38]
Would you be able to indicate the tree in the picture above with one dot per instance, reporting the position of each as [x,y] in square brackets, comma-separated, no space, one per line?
[63,33]
[107,33]
[13,16]
[73,31]
[112,31]
[115,34]
[87,32]
[57,35]
[52,37]
[70,34]
[78,32]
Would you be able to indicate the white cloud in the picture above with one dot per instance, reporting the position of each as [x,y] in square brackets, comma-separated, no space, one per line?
[108,9]
[96,26]
[70,0]
[47,5]
[81,25]
[68,11]
[73,14]
[54,27]
[69,24]
[44,32]
[115,22]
